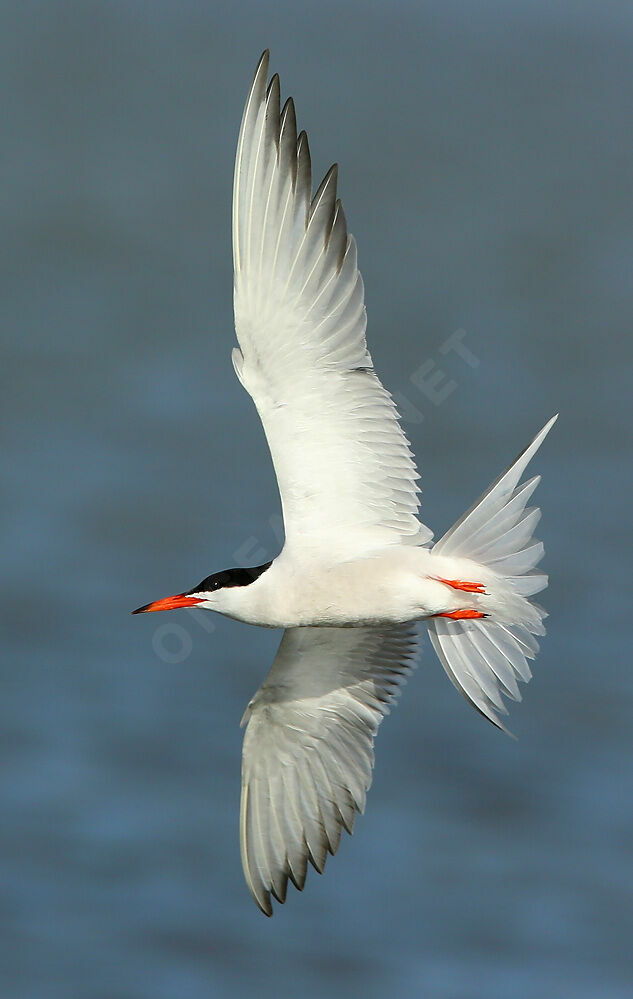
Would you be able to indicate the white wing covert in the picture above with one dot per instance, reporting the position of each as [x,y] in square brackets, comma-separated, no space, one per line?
[308,748]
[346,475]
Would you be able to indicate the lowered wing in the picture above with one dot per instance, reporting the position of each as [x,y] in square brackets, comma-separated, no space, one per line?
[308,748]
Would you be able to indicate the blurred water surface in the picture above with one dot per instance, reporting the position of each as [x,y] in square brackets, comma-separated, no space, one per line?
[486,157]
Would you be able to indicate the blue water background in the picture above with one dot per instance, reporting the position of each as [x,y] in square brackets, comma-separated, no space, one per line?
[486,155]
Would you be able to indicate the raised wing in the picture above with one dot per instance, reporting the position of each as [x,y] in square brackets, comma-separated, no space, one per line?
[308,748]
[345,471]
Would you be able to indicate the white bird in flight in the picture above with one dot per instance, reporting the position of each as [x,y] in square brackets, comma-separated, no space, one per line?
[358,568]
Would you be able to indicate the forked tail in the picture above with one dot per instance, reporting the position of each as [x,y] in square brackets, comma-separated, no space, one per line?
[485,658]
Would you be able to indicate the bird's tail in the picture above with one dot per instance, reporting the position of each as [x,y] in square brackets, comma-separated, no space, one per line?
[485,655]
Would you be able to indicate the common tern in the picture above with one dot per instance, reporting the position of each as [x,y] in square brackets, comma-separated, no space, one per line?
[358,568]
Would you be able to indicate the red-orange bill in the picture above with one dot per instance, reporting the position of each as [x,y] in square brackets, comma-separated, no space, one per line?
[168,603]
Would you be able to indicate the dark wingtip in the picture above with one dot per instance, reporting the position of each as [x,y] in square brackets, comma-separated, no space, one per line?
[274,83]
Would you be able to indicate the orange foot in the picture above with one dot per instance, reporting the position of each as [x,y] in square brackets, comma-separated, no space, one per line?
[458,584]
[461,615]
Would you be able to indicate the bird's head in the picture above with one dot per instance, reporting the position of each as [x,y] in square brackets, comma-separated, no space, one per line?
[210,594]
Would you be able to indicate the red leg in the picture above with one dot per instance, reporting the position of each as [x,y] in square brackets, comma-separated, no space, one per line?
[458,584]
[461,615]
